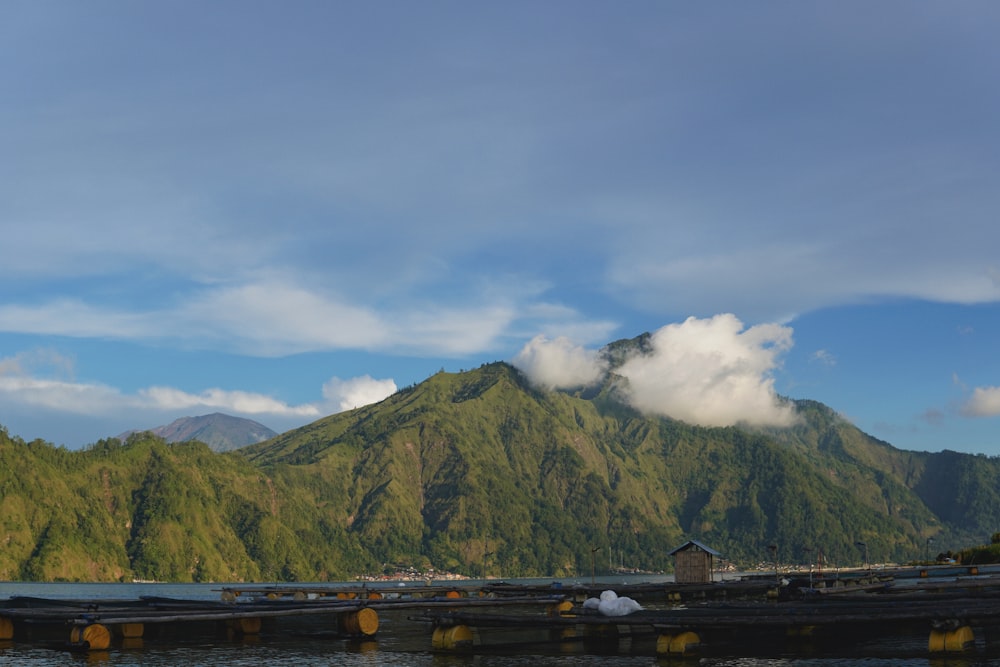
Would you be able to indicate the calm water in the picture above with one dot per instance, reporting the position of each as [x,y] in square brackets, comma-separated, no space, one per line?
[404,643]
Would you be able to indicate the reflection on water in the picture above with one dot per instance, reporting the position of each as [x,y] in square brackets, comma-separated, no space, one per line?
[372,654]
[969,661]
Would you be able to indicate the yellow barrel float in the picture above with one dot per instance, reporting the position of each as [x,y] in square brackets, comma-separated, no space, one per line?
[679,644]
[247,625]
[951,640]
[360,623]
[131,630]
[451,637]
[6,629]
[93,636]
[561,609]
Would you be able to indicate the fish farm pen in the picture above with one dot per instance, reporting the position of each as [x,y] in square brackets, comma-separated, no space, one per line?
[936,610]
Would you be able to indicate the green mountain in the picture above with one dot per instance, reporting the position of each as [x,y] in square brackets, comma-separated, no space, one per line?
[477,463]
[475,470]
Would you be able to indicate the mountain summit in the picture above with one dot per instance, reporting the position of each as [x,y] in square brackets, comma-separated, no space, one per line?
[219,431]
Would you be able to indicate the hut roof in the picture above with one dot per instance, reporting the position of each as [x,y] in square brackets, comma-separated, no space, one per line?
[690,544]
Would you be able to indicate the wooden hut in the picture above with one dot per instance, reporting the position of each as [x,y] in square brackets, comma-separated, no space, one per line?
[693,563]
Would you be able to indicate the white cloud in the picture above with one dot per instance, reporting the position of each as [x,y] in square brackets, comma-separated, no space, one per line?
[21,391]
[984,402]
[710,372]
[342,395]
[559,363]
[240,402]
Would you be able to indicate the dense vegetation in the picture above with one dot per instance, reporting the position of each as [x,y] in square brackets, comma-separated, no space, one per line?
[478,470]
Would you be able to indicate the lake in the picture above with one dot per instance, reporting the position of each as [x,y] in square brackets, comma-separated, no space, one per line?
[404,643]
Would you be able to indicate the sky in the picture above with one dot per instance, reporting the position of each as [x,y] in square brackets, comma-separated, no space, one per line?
[281,211]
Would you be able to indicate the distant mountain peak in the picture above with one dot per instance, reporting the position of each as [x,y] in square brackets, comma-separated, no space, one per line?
[219,431]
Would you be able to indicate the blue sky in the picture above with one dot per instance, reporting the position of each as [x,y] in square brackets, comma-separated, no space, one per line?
[283,210]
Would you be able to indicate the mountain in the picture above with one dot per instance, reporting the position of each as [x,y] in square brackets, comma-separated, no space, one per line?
[481,471]
[220,432]
[482,465]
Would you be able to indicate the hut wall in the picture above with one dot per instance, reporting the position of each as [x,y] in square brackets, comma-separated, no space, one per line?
[692,566]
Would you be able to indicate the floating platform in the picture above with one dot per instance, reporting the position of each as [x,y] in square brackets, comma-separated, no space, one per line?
[94,624]
[935,614]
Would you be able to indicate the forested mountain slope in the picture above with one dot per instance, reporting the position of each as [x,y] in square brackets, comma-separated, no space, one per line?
[475,469]
[481,462]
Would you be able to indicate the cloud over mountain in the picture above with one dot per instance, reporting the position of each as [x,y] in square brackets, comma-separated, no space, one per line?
[341,395]
[710,372]
[559,363]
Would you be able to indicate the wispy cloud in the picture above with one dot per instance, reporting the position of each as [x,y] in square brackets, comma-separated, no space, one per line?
[23,386]
[933,416]
[73,317]
[37,360]
[823,357]
[279,318]
[60,396]
[241,402]
[99,399]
